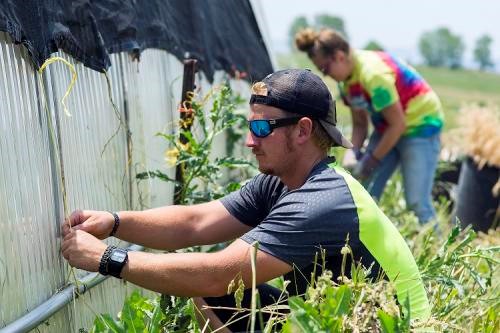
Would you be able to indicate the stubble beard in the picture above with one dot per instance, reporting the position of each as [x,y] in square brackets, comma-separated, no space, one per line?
[273,171]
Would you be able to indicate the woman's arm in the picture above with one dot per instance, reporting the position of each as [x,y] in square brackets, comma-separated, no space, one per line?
[396,126]
[359,127]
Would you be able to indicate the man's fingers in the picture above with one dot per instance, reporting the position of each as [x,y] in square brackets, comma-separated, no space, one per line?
[66,244]
[68,236]
[80,216]
[65,229]
[88,226]
[74,218]
[64,248]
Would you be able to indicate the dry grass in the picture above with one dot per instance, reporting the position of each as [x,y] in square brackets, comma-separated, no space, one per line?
[477,136]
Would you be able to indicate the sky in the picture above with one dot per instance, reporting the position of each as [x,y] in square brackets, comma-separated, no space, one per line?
[396,25]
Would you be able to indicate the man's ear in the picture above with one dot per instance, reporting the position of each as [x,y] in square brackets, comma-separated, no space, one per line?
[305,126]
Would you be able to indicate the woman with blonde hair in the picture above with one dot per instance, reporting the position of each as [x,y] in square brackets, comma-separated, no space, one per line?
[405,112]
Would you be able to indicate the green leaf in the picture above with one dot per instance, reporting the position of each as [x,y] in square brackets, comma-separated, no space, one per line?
[388,323]
[452,236]
[231,187]
[154,174]
[168,137]
[131,315]
[104,323]
[156,320]
[232,162]
[304,315]
[343,298]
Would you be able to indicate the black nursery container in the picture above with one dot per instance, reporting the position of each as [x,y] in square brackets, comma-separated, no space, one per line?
[475,202]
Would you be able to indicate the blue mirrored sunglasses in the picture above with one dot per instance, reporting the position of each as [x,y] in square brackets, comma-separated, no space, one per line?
[263,127]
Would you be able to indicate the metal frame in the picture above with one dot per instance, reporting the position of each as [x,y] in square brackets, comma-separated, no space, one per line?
[45,310]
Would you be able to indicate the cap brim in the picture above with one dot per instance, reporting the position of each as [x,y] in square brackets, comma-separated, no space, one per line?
[335,134]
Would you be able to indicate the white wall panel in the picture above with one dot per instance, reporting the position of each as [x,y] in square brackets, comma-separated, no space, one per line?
[147,94]
[30,270]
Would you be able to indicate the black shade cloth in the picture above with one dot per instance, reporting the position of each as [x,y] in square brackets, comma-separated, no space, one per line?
[220,34]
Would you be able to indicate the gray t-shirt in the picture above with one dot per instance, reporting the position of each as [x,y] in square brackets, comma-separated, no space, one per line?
[294,225]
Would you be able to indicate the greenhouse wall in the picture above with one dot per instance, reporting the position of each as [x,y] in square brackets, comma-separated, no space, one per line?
[87,154]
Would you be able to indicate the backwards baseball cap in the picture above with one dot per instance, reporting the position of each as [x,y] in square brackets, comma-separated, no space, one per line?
[303,92]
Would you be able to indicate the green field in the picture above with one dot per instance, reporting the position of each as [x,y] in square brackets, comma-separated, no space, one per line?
[454,87]
[459,87]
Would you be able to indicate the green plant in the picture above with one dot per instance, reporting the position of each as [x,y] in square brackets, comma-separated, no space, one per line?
[137,313]
[141,314]
[201,175]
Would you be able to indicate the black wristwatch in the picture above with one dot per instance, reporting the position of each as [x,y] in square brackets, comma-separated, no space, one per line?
[112,261]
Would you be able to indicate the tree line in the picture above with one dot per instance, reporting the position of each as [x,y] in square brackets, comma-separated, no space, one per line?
[439,47]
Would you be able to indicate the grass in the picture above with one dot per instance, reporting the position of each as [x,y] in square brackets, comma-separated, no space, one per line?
[459,87]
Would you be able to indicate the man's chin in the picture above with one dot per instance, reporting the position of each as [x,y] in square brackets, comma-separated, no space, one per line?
[266,171]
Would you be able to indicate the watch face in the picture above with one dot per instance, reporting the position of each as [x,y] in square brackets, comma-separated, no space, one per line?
[118,256]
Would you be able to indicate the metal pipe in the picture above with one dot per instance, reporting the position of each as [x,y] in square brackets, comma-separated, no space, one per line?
[45,310]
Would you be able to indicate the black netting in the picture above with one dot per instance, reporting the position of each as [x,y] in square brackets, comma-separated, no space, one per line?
[221,34]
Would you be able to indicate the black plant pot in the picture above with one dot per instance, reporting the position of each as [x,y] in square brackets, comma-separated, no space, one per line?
[475,203]
[445,182]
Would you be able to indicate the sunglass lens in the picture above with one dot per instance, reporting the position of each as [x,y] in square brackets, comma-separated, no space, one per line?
[260,128]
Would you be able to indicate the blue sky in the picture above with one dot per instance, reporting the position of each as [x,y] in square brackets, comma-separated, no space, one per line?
[397,25]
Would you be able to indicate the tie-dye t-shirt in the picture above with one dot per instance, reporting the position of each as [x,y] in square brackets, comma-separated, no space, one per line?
[380,80]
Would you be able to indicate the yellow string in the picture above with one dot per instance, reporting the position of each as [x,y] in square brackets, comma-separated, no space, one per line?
[52,136]
[73,78]
[51,127]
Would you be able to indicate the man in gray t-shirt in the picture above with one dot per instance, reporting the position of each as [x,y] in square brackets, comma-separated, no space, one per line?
[294,225]
[300,204]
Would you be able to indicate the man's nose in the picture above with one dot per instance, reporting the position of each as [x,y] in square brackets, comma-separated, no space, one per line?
[250,140]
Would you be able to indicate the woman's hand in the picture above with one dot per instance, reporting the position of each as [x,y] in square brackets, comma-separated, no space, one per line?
[365,167]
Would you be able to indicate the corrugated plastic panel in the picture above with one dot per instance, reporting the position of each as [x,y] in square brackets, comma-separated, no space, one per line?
[91,149]
[31,267]
[92,143]
[151,85]
[30,263]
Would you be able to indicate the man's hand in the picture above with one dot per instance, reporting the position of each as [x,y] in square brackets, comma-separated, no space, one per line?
[365,167]
[97,223]
[82,250]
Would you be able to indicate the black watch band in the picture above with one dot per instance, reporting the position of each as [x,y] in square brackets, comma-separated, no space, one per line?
[117,260]
[103,264]
[116,225]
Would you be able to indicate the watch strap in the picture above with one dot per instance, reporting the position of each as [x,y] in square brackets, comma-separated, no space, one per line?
[114,267]
[116,225]
[103,264]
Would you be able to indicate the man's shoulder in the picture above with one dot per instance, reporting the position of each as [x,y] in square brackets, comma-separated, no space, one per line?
[324,179]
[323,191]
[265,182]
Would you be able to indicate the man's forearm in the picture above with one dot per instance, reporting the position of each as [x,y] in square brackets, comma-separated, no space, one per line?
[166,228]
[178,274]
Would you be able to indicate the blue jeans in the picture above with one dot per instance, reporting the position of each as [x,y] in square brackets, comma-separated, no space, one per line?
[418,158]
